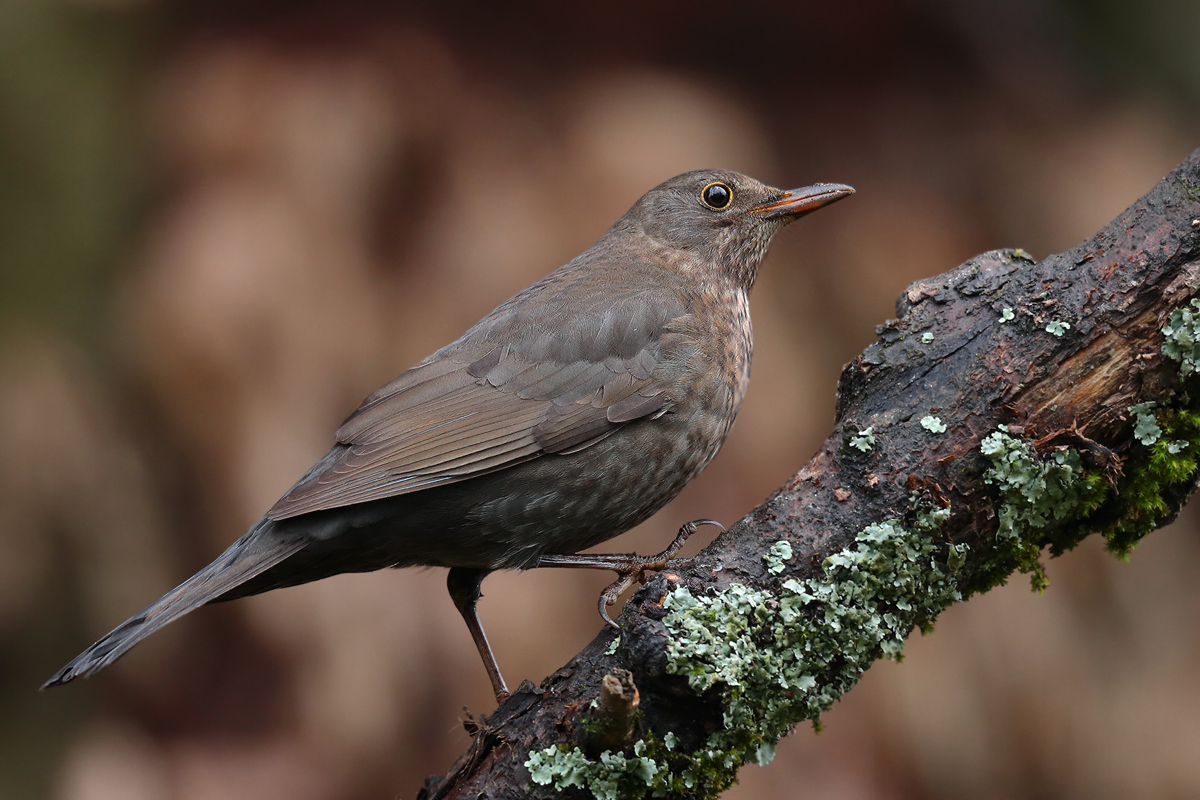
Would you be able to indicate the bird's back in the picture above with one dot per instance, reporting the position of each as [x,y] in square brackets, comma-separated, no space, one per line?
[572,412]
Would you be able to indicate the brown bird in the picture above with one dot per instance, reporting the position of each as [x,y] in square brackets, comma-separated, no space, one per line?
[574,411]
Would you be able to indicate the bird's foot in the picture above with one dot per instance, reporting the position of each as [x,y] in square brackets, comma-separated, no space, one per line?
[628,566]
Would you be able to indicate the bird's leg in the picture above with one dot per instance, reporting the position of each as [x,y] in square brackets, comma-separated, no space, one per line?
[464,584]
[629,566]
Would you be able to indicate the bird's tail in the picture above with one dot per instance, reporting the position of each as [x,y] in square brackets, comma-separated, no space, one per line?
[249,556]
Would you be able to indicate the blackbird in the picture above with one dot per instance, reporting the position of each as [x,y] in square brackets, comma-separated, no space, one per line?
[574,411]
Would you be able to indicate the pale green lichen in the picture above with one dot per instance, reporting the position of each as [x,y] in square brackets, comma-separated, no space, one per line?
[1145,428]
[778,556]
[654,769]
[1181,337]
[933,424]
[1034,491]
[1054,501]
[1038,496]
[1057,327]
[774,658]
[865,439]
[612,775]
[780,658]
[1007,315]
[612,646]
[926,337]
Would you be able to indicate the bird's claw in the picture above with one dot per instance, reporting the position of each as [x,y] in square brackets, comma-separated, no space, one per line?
[635,568]
[610,595]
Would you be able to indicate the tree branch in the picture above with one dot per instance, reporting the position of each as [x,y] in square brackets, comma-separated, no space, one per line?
[1013,406]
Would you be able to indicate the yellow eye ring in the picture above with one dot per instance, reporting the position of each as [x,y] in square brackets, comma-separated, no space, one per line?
[717,196]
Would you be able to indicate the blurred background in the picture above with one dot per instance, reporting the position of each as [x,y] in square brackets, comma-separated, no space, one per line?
[224,223]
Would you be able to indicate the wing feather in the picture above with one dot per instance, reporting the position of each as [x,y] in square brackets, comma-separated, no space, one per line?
[507,395]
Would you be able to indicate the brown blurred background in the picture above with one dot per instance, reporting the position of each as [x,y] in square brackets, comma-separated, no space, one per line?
[223,223]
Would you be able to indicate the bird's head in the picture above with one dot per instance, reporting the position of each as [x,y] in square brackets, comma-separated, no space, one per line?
[723,218]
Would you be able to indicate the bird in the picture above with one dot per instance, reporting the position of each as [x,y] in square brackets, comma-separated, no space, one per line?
[572,412]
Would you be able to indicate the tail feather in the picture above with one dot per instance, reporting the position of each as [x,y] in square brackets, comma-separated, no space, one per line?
[246,558]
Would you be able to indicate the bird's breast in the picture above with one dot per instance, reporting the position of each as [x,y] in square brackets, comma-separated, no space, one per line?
[729,350]
[717,382]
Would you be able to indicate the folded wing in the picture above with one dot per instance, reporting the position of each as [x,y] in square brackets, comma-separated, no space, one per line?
[505,393]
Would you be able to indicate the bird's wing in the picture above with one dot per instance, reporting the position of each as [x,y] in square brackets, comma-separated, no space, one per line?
[510,390]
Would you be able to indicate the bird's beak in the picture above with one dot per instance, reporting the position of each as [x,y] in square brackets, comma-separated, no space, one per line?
[798,202]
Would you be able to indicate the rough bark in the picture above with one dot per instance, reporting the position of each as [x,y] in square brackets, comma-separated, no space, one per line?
[952,357]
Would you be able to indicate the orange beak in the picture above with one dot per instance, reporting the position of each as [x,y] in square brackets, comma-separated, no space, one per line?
[798,202]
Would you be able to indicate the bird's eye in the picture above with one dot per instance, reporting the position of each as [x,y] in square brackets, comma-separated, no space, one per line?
[717,196]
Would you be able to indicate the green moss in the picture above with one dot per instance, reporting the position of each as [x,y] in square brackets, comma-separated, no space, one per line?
[1158,474]
[1054,501]
[1167,464]
[1040,498]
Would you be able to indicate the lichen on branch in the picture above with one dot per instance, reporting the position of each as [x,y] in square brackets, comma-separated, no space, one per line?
[1013,407]
[777,656]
